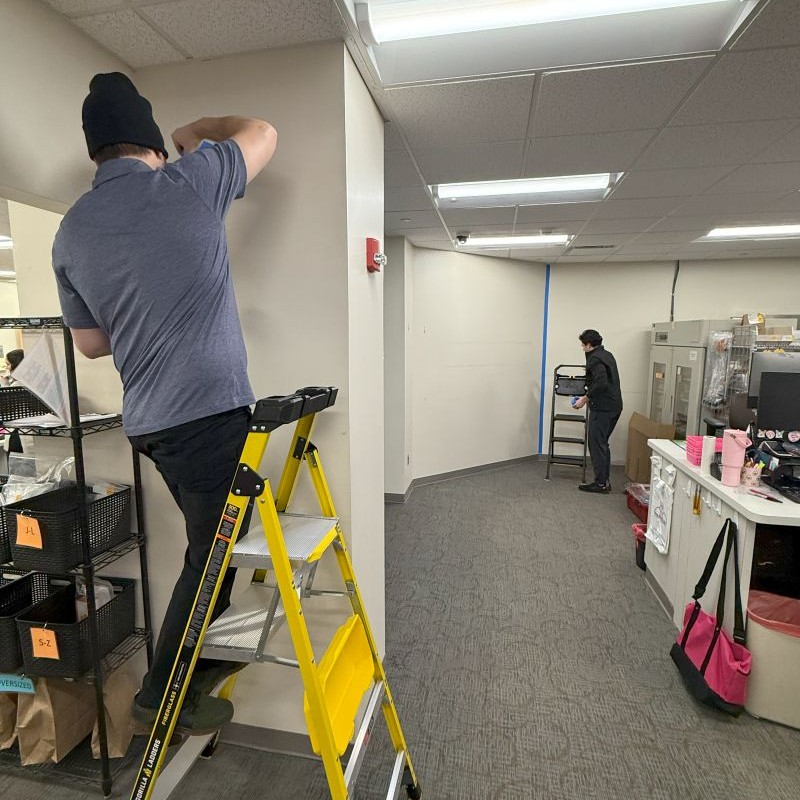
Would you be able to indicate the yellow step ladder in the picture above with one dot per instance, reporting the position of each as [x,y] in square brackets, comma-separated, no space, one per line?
[289,545]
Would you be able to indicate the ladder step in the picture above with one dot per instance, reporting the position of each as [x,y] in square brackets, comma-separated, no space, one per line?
[568,439]
[306,538]
[569,461]
[570,418]
[346,672]
[236,633]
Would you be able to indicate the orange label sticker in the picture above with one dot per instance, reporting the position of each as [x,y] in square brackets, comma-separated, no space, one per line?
[29,534]
[45,644]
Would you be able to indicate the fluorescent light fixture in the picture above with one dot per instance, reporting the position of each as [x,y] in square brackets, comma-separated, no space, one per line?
[525,192]
[6,243]
[391,20]
[7,273]
[504,242]
[753,232]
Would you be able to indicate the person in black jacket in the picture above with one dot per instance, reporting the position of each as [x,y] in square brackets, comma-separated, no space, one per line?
[604,396]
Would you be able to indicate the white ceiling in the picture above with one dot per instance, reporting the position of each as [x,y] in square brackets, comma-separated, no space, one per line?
[707,139]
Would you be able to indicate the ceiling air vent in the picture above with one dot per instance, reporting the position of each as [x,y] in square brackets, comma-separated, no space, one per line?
[593,247]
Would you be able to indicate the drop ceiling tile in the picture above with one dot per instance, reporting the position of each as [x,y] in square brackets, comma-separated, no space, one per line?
[469,112]
[537,254]
[777,25]
[749,85]
[671,237]
[618,98]
[585,154]
[486,161]
[572,259]
[206,30]
[409,199]
[128,36]
[789,202]
[704,205]
[478,216]
[70,7]
[725,220]
[761,178]
[426,234]
[405,220]
[785,149]
[631,225]
[399,170]
[642,206]
[590,240]
[391,137]
[668,182]
[711,145]
[556,213]
[444,244]
[635,249]
[531,228]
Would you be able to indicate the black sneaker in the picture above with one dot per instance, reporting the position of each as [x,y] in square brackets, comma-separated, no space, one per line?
[205,716]
[595,488]
[206,680]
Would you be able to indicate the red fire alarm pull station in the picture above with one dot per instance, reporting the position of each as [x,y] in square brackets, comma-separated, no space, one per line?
[375,259]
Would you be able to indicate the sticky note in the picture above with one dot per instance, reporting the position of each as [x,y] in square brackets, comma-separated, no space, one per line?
[45,643]
[28,532]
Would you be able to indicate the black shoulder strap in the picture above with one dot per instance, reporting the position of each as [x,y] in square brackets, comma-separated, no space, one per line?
[739,632]
[702,584]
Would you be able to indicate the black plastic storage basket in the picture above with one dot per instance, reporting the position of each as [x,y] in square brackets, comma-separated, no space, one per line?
[59,522]
[56,613]
[17,402]
[16,596]
[5,543]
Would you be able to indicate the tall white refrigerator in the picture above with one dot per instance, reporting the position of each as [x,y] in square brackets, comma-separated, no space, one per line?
[677,364]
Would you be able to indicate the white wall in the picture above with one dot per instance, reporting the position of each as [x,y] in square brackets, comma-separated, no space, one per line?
[364,184]
[398,316]
[620,301]
[311,315]
[46,64]
[9,307]
[477,338]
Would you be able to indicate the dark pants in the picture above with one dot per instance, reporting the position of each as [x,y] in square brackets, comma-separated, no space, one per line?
[601,426]
[197,461]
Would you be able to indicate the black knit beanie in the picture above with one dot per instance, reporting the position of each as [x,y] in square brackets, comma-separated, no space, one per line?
[114,112]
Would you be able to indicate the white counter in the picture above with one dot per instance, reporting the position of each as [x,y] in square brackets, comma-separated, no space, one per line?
[673,575]
[753,508]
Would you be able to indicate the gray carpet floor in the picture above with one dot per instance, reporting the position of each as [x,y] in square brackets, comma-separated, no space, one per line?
[528,660]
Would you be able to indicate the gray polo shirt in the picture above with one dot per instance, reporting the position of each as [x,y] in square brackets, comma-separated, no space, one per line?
[144,257]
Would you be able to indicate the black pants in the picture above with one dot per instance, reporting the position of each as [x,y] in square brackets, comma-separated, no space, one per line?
[197,461]
[601,426]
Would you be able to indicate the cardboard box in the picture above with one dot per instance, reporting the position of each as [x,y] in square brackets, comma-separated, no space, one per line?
[640,429]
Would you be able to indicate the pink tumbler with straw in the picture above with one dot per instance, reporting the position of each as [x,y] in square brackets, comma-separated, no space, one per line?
[734,444]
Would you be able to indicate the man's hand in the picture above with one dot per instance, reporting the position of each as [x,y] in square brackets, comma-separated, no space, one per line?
[580,402]
[256,138]
[186,139]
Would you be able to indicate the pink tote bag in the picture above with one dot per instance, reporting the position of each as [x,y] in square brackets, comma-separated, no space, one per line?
[714,666]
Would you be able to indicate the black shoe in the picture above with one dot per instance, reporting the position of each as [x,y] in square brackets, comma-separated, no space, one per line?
[205,715]
[205,681]
[595,488]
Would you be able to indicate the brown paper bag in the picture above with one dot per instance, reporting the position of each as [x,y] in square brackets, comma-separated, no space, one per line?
[51,722]
[118,691]
[8,720]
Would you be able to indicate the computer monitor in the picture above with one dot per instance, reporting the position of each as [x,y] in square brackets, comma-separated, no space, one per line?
[779,402]
[769,361]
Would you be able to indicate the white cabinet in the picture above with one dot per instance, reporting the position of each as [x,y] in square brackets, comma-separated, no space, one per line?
[676,387]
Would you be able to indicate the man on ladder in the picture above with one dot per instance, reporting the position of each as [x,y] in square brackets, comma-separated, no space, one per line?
[142,268]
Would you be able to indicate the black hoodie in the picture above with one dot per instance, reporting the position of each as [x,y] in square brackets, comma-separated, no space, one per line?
[602,380]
